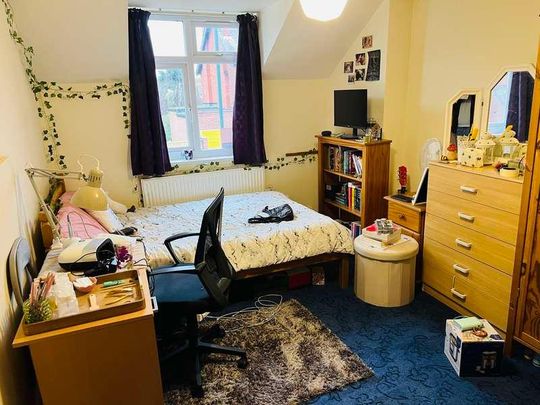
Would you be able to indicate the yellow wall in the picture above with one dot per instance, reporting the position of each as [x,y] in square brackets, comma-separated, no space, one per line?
[294,112]
[377,26]
[20,143]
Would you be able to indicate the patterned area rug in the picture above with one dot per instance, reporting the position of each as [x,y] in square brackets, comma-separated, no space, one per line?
[292,358]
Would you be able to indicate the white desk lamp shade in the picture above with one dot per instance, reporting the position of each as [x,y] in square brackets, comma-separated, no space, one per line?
[323,10]
[91,196]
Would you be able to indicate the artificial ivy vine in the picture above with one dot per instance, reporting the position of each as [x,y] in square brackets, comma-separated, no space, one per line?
[305,157]
[45,92]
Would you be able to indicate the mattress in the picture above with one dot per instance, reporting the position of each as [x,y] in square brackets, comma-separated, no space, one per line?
[246,245]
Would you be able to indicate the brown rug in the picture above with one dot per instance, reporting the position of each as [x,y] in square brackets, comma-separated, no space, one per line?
[292,358]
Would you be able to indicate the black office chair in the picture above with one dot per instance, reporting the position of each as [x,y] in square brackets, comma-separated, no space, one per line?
[186,289]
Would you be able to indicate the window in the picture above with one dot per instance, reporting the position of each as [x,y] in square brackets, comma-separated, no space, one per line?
[196,74]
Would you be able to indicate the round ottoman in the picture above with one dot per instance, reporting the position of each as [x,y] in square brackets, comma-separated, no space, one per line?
[385,277]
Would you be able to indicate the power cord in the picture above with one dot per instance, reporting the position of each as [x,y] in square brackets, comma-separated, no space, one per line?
[264,310]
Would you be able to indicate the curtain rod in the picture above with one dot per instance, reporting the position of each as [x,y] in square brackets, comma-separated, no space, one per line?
[192,12]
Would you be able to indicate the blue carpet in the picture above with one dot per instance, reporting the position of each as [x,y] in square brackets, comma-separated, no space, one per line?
[404,347]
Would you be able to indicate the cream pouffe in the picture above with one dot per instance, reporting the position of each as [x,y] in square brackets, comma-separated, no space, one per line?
[385,276]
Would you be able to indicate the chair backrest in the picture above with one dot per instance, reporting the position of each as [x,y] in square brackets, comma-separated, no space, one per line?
[20,269]
[214,269]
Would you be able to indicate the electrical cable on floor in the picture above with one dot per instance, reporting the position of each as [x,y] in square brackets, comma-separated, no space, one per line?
[264,310]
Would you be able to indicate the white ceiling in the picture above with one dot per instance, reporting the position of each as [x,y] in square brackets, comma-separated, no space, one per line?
[309,49]
[204,5]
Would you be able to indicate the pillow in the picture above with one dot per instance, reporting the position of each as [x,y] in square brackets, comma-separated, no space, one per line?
[108,219]
[117,207]
[83,225]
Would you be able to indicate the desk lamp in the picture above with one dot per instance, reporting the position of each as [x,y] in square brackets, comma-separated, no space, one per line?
[89,196]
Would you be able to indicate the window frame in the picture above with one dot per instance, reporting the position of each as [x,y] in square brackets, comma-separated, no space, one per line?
[188,63]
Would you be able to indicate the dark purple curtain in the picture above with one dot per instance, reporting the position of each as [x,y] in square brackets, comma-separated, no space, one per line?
[248,131]
[149,154]
[520,104]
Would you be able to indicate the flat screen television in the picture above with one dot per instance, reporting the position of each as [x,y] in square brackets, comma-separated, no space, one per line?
[350,109]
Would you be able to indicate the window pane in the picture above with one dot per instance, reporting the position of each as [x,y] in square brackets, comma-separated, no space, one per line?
[172,100]
[215,100]
[217,39]
[167,38]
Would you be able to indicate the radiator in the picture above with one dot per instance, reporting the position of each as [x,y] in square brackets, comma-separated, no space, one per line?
[196,186]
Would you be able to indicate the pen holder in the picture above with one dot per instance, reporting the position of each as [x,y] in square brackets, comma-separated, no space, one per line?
[463,143]
[38,312]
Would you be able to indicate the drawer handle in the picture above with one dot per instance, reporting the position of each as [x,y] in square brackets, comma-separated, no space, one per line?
[465,217]
[463,244]
[470,190]
[402,216]
[456,293]
[461,269]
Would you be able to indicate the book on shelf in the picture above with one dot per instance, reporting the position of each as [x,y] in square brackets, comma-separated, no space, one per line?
[346,161]
[354,226]
[348,194]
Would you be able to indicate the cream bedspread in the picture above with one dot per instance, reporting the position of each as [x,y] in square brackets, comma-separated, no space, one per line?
[246,245]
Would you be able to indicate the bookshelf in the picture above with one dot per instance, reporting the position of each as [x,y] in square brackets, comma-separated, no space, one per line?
[345,194]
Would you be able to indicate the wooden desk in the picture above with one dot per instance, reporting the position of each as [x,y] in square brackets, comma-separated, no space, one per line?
[410,218]
[109,361]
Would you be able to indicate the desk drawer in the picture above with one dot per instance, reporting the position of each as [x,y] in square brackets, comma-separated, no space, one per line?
[499,224]
[482,277]
[465,294]
[494,192]
[406,217]
[485,249]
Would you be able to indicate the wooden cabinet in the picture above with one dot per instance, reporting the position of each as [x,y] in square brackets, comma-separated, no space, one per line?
[524,317]
[470,239]
[410,218]
[373,182]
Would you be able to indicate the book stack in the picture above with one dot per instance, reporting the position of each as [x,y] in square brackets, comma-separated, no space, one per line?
[346,161]
[349,195]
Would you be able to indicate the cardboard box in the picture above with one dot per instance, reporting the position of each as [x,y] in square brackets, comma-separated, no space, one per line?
[472,355]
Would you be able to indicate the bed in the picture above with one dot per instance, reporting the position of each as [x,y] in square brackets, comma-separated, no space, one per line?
[252,249]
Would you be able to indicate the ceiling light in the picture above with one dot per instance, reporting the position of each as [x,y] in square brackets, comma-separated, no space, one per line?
[323,10]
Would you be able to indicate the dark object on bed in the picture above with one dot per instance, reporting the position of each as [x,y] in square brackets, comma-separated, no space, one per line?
[187,289]
[279,214]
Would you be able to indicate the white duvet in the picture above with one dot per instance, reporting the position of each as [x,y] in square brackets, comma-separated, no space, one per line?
[246,245]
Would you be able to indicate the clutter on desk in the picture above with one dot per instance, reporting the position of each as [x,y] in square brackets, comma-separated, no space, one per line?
[37,307]
[402,177]
[62,304]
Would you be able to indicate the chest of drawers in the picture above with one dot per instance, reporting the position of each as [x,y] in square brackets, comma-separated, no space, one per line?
[470,239]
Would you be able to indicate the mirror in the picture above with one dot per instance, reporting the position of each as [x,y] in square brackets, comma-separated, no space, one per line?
[510,102]
[462,114]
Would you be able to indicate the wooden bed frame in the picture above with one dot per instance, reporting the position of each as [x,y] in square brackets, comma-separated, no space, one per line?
[343,258]
[308,261]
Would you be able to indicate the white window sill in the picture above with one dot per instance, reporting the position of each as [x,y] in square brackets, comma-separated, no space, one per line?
[223,161]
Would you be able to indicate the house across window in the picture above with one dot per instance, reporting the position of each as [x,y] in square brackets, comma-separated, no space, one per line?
[196,74]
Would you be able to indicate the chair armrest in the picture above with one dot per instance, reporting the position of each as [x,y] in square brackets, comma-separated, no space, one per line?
[171,239]
[187,269]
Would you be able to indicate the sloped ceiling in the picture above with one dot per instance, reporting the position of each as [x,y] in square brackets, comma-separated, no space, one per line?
[309,49]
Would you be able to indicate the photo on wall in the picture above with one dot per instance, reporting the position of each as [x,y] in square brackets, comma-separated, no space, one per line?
[374,66]
[367,42]
[348,67]
[360,59]
[350,79]
[360,74]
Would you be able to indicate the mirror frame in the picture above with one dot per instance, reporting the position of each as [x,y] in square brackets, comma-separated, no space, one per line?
[528,67]
[449,107]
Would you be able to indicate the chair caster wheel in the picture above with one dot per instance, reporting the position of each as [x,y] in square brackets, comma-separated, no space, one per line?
[197,391]
[243,362]
[217,331]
